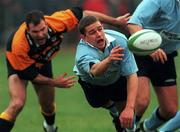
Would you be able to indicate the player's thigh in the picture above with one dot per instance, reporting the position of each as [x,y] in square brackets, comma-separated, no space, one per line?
[46,94]
[17,89]
[167,98]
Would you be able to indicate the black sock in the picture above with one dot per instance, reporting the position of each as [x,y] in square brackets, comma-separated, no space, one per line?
[50,119]
[5,126]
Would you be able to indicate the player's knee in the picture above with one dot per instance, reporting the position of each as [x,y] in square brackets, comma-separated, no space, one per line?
[142,104]
[17,105]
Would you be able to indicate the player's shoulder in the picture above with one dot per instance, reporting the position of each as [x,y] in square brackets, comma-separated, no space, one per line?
[83,46]
[19,41]
[64,20]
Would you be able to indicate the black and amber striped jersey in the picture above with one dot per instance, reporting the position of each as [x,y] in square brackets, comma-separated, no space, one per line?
[26,57]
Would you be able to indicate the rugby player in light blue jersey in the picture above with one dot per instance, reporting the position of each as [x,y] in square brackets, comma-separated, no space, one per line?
[158,68]
[107,71]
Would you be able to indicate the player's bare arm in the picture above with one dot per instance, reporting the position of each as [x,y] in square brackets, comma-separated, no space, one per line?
[134,28]
[61,81]
[115,21]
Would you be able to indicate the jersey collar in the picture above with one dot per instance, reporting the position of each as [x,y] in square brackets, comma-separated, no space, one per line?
[109,39]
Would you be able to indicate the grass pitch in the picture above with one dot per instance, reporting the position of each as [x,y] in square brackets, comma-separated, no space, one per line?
[73,112]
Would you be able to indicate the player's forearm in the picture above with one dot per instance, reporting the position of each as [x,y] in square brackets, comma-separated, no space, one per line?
[102,17]
[132,86]
[134,28]
[99,68]
[40,79]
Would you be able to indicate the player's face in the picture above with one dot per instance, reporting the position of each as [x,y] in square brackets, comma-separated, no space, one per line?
[38,32]
[95,36]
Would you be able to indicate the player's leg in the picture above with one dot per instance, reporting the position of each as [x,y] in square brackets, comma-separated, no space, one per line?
[173,124]
[143,97]
[164,81]
[98,97]
[168,101]
[143,94]
[168,105]
[46,97]
[17,91]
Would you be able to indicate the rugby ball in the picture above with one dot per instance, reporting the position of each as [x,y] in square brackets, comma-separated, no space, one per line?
[144,42]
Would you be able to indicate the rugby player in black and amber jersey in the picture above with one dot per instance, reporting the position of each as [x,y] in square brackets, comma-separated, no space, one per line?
[29,53]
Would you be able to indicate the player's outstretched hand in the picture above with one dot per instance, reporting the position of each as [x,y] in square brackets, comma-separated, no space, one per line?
[122,20]
[64,82]
[116,54]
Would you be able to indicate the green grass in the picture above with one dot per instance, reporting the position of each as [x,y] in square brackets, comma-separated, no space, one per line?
[73,112]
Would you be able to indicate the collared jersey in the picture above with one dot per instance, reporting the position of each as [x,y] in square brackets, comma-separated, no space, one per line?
[24,55]
[162,16]
[87,54]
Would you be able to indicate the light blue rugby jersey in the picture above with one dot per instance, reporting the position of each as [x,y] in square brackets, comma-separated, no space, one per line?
[86,53]
[162,16]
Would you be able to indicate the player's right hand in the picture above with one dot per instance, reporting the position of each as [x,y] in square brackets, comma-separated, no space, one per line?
[116,54]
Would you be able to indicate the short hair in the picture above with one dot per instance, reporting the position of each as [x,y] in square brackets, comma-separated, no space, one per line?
[34,17]
[86,21]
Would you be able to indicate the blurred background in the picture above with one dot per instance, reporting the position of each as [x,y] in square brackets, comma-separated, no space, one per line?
[12,12]
[73,112]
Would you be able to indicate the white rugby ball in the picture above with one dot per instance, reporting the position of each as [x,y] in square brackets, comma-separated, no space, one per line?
[144,42]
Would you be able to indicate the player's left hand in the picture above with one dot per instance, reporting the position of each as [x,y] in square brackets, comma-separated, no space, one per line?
[126,117]
[159,55]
